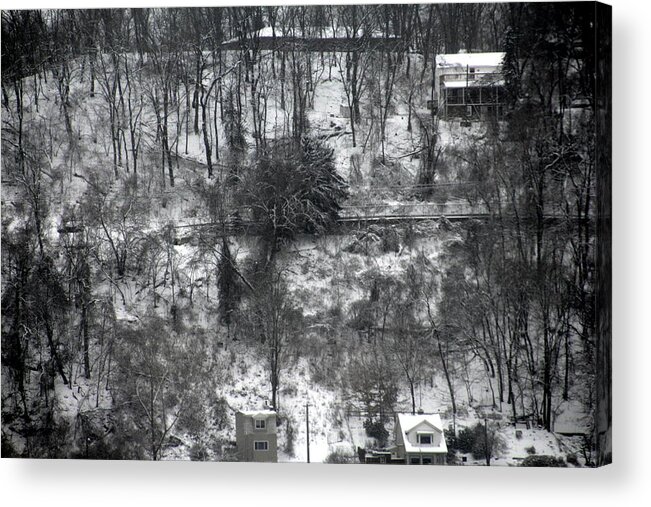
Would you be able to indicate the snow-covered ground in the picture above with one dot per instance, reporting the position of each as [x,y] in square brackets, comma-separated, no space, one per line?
[321,273]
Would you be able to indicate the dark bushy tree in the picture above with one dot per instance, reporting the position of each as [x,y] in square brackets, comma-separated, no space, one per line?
[375,429]
[483,442]
[293,187]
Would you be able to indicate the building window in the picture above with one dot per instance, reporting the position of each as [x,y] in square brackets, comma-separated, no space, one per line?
[260,424]
[414,460]
[473,95]
[261,445]
[425,439]
[454,96]
[427,460]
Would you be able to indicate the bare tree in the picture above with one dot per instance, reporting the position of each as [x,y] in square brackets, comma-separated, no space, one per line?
[277,323]
[157,369]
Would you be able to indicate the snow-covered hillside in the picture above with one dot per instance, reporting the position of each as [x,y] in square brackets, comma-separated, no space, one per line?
[148,305]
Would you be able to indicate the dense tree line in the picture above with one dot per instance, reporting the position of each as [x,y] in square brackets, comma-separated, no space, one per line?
[518,292]
[525,282]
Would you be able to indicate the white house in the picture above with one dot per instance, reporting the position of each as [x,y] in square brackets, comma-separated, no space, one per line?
[420,439]
[469,85]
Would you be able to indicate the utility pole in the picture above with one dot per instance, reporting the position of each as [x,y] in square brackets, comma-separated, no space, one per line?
[307,427]
[488,456]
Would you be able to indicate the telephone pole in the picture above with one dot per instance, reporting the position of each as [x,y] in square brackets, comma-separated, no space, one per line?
[307,427]
[488,456]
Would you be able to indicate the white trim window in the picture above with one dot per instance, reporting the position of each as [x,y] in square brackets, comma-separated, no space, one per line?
[424,438]
[260,424]
[261,445]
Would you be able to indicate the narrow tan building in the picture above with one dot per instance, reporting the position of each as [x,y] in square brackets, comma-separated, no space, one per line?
[256,436]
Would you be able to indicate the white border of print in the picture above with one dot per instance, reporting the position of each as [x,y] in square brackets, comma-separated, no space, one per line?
[626,482]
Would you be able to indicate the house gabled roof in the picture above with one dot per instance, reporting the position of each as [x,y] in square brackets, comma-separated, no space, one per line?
[421,422]
[409,422]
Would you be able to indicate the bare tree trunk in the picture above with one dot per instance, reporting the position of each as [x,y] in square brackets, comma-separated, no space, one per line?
[448,379]
[205,123]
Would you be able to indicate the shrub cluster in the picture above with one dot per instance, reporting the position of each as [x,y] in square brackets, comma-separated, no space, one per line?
[340,457]
[572,459]
[543,461]
[475,440]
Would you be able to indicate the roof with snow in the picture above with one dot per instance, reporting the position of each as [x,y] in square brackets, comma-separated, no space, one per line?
[315,36]
[317,31]
[470,59]
[477,82]
[310,31]
[258,413]
[409,423]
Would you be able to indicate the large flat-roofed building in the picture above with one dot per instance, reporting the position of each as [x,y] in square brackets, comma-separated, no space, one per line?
[469,85]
